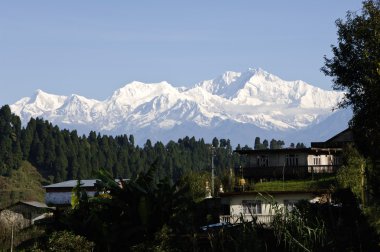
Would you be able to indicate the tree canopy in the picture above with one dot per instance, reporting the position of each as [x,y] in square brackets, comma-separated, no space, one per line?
[63,154]
[355,68]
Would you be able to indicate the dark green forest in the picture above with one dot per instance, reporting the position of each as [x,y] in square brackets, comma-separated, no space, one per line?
[61,154]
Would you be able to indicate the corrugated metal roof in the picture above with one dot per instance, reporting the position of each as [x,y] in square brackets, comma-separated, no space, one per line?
[73,183]
[35,204]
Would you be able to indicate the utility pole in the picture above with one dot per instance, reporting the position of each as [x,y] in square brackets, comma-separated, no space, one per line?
[283,177]
[212,172]
[12,237]
[362,171]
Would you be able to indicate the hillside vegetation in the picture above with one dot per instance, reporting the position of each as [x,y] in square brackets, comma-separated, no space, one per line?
[25,183]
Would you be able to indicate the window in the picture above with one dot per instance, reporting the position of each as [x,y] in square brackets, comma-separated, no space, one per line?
[251,206]
[290,204]
[291,160]
[262,161]
[337,160]
[317,160]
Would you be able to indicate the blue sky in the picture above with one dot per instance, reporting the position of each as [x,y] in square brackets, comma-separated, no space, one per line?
[91,48]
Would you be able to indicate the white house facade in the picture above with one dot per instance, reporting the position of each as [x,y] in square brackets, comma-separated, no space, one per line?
[59,194]
[240,206]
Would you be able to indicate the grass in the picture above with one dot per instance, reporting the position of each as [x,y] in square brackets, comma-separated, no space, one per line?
[296,185]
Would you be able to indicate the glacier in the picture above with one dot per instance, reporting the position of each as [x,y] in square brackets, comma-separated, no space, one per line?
[235,105]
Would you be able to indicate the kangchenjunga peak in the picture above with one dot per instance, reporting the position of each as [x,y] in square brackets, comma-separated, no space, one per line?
[234,105]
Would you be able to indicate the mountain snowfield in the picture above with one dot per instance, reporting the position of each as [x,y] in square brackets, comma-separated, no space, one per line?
[238,106]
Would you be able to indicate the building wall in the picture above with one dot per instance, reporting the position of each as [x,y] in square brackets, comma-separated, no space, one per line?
[304,159]
[61,198]
[236,201]
[325,159]
[21,216]
[278,159]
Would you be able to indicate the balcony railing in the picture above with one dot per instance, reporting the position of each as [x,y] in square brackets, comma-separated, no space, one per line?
[260,218]
[286,171]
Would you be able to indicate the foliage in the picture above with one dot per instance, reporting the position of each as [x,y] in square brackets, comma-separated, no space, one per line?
[351,173]
[20,236]
[128,213]
[25,183]
[355,69]
[296,232]
[63,241]
[10,148]
[197,184]
[325,227]
[372,213]
[245,236]
[78,195]
[300,145]
[274,144]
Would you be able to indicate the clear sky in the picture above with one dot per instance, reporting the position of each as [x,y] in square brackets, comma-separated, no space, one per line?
[91,48]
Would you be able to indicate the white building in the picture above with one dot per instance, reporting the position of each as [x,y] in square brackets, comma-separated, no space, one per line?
[59,194]
[237,206]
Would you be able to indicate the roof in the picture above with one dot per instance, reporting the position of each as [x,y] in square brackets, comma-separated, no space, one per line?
[291,151]
[35,204]
[344,136]
[88,183]
[339,140]
[73,183]
[228,194]
[262,151]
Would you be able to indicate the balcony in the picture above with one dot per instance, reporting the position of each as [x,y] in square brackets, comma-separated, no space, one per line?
[265,219]
[289,172]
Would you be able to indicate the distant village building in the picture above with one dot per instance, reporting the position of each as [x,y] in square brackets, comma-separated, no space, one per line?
[24,213]
[238,206]
[321,157]
[59,194]
[281,164]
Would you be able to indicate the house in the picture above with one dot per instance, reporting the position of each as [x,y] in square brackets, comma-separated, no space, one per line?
[59,194]
[275,164]
[238,206]
[338,141]
[293,163]
[24,213]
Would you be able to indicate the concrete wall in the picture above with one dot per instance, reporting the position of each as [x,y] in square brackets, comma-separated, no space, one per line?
[236,201]
[61,198]
[278,159]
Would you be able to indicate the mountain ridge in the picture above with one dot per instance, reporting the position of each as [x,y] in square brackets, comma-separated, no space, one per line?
[254,99]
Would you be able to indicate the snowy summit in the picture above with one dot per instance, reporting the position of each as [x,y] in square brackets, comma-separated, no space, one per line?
[238,106]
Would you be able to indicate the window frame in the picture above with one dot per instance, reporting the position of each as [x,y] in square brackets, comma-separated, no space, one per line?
[253,207]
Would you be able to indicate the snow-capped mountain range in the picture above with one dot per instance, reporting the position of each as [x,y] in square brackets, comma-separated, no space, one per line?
[238,106]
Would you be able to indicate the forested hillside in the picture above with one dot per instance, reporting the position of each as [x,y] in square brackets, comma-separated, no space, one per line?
[61,154]
[25,183]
